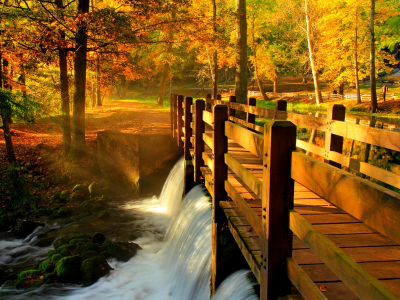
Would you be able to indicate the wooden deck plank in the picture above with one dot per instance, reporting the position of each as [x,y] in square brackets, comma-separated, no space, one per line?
[376,253]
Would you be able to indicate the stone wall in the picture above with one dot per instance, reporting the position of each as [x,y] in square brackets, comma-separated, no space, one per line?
[129,158]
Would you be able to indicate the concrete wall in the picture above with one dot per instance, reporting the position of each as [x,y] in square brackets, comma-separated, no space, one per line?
[129,158]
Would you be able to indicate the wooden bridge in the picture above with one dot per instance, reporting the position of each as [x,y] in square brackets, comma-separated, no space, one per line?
[306,227]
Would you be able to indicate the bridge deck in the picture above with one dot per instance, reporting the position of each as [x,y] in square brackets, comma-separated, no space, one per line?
[377,254]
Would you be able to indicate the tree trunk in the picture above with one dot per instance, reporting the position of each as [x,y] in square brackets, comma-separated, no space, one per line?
[314,69]
[163,83]
[7,137]
[78,137]
[374,100]
[368,146]
[241,52]
[124,89]
[215,54]
[259,82]
[66,119]
[98,90]
[356,60]
[275,81]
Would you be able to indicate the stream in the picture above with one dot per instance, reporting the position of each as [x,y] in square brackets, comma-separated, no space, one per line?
[175,261]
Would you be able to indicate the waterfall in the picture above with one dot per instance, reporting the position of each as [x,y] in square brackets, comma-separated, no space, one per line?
[175,261]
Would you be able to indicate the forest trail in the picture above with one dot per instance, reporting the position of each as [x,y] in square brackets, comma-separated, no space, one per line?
[123,115]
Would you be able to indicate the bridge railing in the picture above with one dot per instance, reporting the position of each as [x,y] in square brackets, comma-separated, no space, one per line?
[282,164]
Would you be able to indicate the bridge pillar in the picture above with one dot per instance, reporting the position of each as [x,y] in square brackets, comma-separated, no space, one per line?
[334,142]
[277,198]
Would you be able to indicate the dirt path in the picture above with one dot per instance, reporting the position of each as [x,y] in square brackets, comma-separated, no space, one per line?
[131,117]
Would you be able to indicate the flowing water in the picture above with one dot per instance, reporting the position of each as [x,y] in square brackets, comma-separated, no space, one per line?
[175,260]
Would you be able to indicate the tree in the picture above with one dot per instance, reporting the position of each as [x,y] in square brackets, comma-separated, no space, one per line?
[241,52]
[374,100]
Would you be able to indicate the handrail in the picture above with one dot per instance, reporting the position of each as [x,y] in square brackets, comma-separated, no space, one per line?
[376,206]
[208,117]
[249,179]
[371,135]
[362,283]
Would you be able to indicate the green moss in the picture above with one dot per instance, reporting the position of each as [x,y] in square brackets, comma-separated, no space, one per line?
[69,269]
[46,266]
[78,187]
[51,252]
[56,257]
[94,268]
[98,238]
[82,247]
[89,254]
[28,278]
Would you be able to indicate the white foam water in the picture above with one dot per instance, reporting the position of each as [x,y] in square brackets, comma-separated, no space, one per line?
[175,260]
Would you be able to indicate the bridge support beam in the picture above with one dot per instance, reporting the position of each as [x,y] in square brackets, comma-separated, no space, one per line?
[277,198]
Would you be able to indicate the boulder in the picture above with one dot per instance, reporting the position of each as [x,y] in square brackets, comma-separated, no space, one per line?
[78,187]
[98,238]
[28,278]
[69,269]
[123,251]
[89,254]
[26,228]
[95,189]
[56,257]
[93,268]
[46,266]
[64,212]
[104,215]
[64,195]
[51,252]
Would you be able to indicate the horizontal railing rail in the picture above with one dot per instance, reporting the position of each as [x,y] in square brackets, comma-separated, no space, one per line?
[376,206]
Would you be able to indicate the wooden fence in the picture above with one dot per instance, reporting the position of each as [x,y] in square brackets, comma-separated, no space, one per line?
[284,162]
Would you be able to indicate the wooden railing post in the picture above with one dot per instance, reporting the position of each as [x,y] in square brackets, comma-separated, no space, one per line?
[199,128]
[334,142]
[219,97]
[251,118]
[188,129]
[277,198]
[220,174]
[175,115]
[171,109]
[232,112]
[208,105]
[179,120]
[280,105]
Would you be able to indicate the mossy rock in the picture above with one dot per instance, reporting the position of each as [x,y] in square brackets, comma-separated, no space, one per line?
[69,269]
[25,228]
[28,278]
[93,268]
[98,238]
[86,206]
[89,254]
[96,207]
[49,276]
[51,252]
[46,266]
[56,195]
[105,245]
[104,215]
[105,254]
[78,187]
[66,250]
[77,197]
[64,212]
[56,257]
[64,195]
[80,240]
[95,189]
[65,239]
[82,247]
[123,251]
